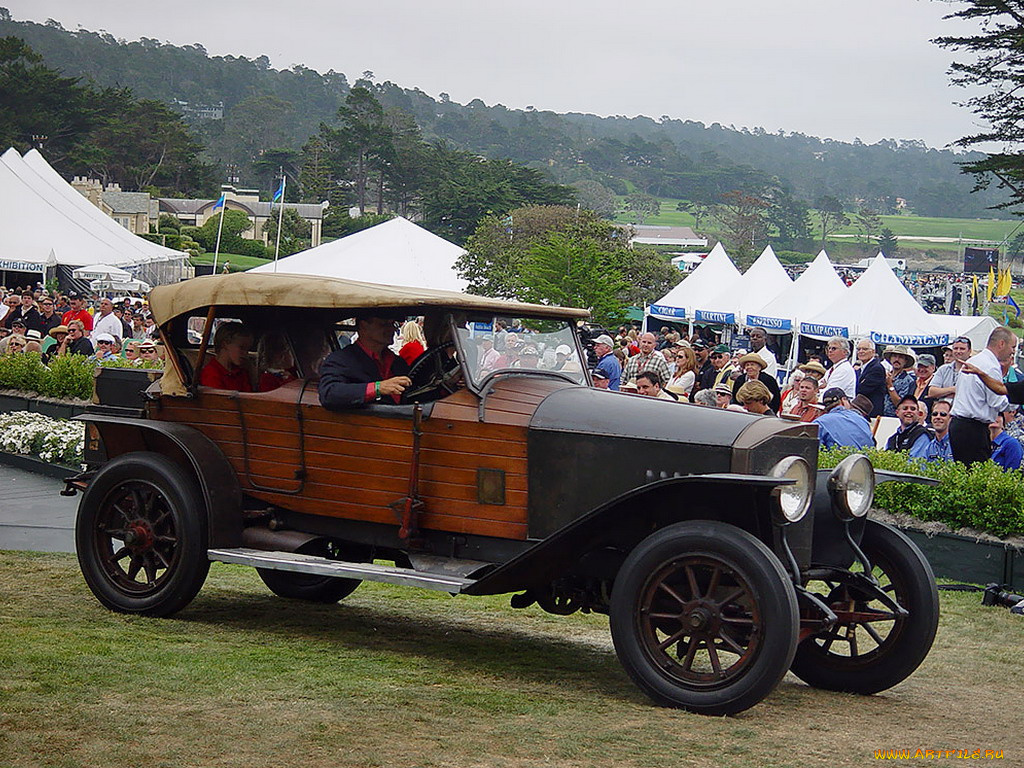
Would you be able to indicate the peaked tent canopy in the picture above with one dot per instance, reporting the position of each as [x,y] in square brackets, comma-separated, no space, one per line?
[879,307]
[44,223]
[765,280]
[714,273]
[818,287]
[396,252]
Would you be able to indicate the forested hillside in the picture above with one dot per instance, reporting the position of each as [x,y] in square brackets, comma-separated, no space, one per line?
[269,116]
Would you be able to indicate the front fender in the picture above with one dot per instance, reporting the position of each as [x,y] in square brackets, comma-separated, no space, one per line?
[621,522]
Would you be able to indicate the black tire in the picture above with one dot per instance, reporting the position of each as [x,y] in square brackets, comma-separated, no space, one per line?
[884,652]
[721,600]
[141,535]
[309,587]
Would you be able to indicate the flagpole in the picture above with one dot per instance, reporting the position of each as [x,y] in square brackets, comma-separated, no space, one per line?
[220,228]
[280,216]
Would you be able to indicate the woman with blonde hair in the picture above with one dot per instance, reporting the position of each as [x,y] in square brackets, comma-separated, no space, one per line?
[685,372]
[413,342]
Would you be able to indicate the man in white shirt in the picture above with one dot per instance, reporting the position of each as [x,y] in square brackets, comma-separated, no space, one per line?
[975,406]
[106,321]
[758,340]
[841,374]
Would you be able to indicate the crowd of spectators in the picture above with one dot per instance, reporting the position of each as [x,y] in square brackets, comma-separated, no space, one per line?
[845,394]
[55,323]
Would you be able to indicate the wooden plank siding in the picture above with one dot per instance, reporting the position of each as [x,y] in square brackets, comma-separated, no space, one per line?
[357,463]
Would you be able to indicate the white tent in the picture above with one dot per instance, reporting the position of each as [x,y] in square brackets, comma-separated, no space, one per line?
[765,280]
[818,287]
[879,307]
[976,328]
[396,252]
[714,273]
[44,222]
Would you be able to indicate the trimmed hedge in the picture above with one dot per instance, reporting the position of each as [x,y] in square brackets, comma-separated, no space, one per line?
[68,377]
[982,496]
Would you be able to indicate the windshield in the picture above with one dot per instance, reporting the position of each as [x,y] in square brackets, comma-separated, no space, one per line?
[545,345]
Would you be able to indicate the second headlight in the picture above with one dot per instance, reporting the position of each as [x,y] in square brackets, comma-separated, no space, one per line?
[852,486]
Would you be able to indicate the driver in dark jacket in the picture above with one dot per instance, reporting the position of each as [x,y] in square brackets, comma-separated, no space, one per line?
[366,371]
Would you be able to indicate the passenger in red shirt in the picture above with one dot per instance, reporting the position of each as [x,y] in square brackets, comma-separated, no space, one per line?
[413,342]
[77,312]
[227,369]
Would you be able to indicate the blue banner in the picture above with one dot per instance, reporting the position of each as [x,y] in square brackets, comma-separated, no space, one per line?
[824,331]
[665,311]
[911,340]
[770,323]
[721,318]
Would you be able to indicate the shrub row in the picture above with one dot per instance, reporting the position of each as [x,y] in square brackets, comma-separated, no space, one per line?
[982,496]
[69,377]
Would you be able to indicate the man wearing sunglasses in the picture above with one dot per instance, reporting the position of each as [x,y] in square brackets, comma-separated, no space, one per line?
[365,371]
[47,319]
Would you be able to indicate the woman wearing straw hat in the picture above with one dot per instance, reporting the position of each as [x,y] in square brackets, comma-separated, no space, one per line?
[753,366]
[900,381]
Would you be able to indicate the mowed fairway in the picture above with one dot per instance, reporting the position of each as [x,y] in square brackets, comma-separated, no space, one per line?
[401,677]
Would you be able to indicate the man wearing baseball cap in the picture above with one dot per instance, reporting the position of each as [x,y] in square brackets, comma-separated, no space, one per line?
[840,425]
[77,312]
[607,363]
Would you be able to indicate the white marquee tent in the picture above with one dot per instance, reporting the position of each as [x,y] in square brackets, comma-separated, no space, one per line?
[396,252]
[765,279]
[45,223]
[814,290]
[879,307]
[712,275]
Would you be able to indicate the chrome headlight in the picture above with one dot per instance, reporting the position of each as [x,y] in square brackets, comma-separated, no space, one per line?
[852,486]
[793,500]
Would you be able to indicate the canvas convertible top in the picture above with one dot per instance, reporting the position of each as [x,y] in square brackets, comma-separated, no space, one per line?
[303,291]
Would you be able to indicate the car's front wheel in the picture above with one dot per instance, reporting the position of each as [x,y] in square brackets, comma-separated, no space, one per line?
[141,537]
[704,617]
[872,648]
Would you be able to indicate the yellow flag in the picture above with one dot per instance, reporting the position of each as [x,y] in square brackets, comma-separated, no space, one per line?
[1005,283]
[991,284]
[974,288]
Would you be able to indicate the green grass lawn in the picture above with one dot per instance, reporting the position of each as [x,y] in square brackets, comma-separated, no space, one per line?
[239,263]
[907,226]
[401,677]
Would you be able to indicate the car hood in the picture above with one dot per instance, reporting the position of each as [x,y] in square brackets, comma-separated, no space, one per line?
[586,410]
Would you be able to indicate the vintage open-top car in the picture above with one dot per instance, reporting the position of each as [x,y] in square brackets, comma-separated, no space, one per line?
[687,525]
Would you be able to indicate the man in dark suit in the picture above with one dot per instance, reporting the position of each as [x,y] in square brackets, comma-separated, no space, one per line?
[365,371]
[871,377]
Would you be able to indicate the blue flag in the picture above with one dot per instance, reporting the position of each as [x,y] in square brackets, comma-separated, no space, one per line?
[279,193]
[1012,303]
[219,204]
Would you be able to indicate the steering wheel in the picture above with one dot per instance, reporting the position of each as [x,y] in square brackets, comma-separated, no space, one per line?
[430,373]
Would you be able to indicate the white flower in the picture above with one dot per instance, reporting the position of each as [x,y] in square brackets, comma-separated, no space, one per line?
[52,440]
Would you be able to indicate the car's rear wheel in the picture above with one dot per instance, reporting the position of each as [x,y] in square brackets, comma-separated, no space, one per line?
[140,535]
[872,649]
[704,617]
[307,586]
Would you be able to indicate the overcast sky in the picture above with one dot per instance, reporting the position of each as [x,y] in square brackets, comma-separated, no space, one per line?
[830,68]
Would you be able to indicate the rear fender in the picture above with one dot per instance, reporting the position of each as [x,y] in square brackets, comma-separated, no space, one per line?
[110,436]
[740,500]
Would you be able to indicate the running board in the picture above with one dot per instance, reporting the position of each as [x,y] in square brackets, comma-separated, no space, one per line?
[321,566]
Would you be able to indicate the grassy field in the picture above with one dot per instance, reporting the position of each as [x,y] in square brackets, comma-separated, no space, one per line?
[400,677]
[239,263]
[906,226]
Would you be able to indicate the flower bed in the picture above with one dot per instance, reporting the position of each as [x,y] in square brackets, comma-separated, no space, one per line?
[56,441]
[982,497]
